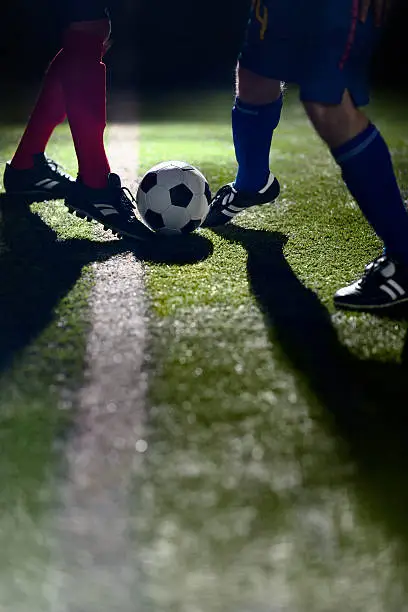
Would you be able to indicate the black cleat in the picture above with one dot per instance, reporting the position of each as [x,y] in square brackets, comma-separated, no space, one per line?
[44,181]
[111,206]
[228,202]
[384,284]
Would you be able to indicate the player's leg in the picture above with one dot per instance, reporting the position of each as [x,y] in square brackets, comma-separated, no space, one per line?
[361,153]
[255,115]
[337,124]
[30,174]
[83,79]
[48,112]
[76,85]
[97,193]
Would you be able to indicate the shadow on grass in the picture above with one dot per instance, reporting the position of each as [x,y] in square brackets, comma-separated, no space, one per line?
[366,400]
[37,269]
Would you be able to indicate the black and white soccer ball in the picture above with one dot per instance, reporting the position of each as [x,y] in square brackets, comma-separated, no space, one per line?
[173,198]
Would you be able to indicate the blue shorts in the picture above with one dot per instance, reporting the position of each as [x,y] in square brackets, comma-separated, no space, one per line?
[319,44]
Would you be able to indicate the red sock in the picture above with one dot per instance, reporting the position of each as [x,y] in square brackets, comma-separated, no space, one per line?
[83,78]
[48,112]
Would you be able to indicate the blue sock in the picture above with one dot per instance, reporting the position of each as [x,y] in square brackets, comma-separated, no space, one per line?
[367,170]
[252,128]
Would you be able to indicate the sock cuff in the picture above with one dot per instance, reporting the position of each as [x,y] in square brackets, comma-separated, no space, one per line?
[257,109]
[356,145]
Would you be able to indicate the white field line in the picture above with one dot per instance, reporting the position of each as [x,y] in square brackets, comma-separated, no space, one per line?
[94,563]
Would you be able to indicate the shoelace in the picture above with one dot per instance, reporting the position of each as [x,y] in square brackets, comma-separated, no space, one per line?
[57,168]
[226,190]
[126,199]
[373,267]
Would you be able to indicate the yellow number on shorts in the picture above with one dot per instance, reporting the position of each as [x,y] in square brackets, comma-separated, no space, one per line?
[257,5]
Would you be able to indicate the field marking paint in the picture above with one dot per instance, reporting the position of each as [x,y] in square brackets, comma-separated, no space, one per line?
[94,563]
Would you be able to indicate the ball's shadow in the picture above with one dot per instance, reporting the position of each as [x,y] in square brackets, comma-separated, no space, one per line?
[171,250]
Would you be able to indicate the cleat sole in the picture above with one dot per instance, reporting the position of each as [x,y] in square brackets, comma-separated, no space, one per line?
[119,233]
[34,197]
[390,305]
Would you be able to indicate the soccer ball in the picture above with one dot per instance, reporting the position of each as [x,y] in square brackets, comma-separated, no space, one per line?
[173,198]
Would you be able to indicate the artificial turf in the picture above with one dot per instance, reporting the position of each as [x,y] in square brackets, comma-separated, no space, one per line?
[274,478]
[278,425]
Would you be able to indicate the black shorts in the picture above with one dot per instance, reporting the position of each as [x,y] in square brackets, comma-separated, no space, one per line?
[70,11]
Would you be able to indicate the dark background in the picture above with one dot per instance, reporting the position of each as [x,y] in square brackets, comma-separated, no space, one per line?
[166,44]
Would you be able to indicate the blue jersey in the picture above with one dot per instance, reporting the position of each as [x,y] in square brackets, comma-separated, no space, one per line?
[319,44]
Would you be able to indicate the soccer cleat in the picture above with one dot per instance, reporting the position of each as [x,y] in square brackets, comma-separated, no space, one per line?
[44,181]
[111,206]
[228,202]
[384,284]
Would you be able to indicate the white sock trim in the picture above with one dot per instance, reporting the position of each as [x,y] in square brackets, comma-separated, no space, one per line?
[268,184]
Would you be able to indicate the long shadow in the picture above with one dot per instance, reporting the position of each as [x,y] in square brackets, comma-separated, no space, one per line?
[37,269]
[366,401]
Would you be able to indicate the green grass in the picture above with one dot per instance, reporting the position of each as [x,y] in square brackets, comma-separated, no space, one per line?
[274,478]
[46,278]
[274,454]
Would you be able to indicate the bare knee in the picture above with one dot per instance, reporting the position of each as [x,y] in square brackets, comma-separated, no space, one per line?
[253,88]
[336,124]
